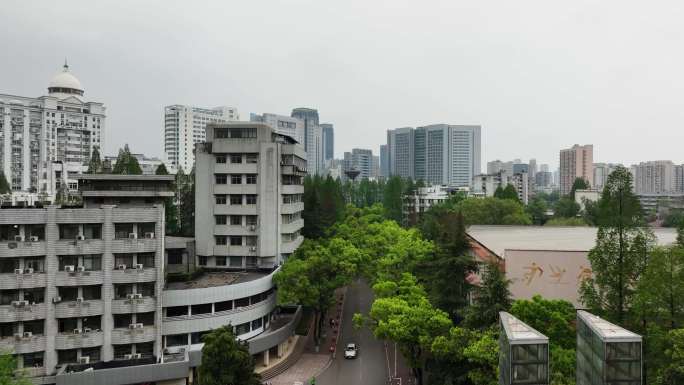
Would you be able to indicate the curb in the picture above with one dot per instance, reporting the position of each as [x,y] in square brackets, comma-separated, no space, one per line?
[339,328]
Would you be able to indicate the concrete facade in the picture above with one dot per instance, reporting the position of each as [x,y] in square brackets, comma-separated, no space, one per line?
[328,132]
[655,177]
[286,125]
[576,162]
[313,138]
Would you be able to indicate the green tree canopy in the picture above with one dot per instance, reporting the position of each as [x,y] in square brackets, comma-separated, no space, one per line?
[507,192]
[9,375]
[392,198]
[126,163]
[161,170]
[225,360]
[566,207]
[4,185]
[492,211]
[578,184]
[490,297]
[95,163]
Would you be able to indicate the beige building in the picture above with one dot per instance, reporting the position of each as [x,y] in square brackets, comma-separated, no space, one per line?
[655,177]
[576,162]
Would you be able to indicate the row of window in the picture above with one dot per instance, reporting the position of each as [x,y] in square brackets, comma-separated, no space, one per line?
[196,338]
[236,220]
[237,158]
[292,198]
[232,261]
[76,263]
[235,178]
[235,240]
[36,232]
[235,133]
[236,199]
[73,293]
[216,307]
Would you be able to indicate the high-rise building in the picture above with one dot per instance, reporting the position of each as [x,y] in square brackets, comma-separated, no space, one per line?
[384,160]
[532,169]
[576,162]
[655,177]
[313,138]
[544,167]
[360,160]
[543,179]
[679,178]
[328,141]
[601,173]
[375,167]
[282,124]
[436,154]
[60,127]
[184,126]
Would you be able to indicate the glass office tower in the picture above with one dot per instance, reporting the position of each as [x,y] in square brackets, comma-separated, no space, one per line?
[523,353]
[606,354]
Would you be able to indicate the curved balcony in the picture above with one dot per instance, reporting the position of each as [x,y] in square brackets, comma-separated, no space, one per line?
[21,249]
[134,245]
[134,275]
[125,306]
[202,322]
[290,247]
[22,281]
[291,208]
[77,247]
[79,278]
[10,313]
[23,345]
[134,336]
[292,226]
[69,309]
[251,285]
[82,340]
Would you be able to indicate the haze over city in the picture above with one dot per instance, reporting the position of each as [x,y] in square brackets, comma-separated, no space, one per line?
[536,75]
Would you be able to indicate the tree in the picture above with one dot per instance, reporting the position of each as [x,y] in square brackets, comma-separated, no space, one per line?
[126,163]
[392,199]
[185,187]
[673,372]
[536,209]
[9,375]
[565,222]
[313,227]
[225,360]
[161,170]
[578,184]
[660,291]
[313,273]
[95,163]
[4,185]
[465,356]
[623,243]
[490,297]
[507,192]
[492,211]
[566,207]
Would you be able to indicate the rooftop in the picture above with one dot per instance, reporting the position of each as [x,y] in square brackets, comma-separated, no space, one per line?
[216,279]
[518,332]
[500,238]
[606,330]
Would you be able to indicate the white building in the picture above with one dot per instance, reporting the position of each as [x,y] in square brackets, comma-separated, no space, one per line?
[60,127]
[485,185]
[655,177]
[184,126]
[313,139]
[282,124]
[422,199]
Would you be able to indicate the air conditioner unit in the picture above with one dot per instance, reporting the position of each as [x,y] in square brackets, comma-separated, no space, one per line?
[79,299]
[80,238]
[28,270]
[128,356]
[138,266]
[28,334]
[137,296]
[19,238]
[80,268]
[17,303]
[252,248]
[135,326]
[69,268]
[130,296]
[34,238]
[252,227]
[84,360]
[137,356]
[56,299]
[87,330]
[122,267]
[18,271]
[149,235]
[132,236]
[77,331]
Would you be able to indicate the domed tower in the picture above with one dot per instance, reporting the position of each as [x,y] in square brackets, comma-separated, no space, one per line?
[64,84]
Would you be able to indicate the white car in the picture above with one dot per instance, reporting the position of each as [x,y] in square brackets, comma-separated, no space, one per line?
[351,350]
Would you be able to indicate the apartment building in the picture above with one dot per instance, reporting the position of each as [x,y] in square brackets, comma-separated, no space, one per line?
[35,132]
[184,127]
[654,177]
[576,162]
[485,185]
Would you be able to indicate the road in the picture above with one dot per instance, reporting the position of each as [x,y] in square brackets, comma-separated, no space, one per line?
[371,365]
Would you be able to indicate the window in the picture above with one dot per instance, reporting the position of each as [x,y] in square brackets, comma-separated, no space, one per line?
[92,262]
[7,296]
[235,261]
[67,260]
[8,329]
[146,289]
[92,292]
[7,265]
[174,257]
[242,329]
[235,179]
[252,158]
[221,219]
[67,356]
[121,291]
[221,178]
[256,324]
[33,360]
[67,293]
[145,349]
[146,319]
[235,199]
[251,199]
[122,320]
[251,178]
[92,353]
[121,230]
[220,158]
[146,228]
[235,158]
[235,240]
[8,232]
[92,231]
[67,325]
[250,240]
[35,295]
[220,240]
[236,220]
[204,308]
[35,231]
[251,220]
[223,306]
[35,263]
[220,261]
[177,340]
[146,259]
[121,350]
[220,199]
[92,322]
[196,338]
[202,260]
[176,311]
[123,259]
[68,232]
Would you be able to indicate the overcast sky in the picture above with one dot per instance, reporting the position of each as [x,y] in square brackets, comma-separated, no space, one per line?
[537,75]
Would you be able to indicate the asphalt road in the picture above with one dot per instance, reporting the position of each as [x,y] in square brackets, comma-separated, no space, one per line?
[371,365]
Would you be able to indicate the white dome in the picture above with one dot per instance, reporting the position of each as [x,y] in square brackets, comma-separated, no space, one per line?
[65,82]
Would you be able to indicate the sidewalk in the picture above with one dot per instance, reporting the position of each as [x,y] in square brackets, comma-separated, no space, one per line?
[313,363]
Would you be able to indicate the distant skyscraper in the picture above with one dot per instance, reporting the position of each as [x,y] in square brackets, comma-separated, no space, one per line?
[436,154]
[313,138]
[375,167]
[544,167]
[576,162]
[328,141]
[360,160]
[184,126]
[533,168]
[655,177]
[282,124]
[384,160]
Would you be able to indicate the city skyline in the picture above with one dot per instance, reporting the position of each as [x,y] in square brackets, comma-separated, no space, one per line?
[529,101]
